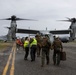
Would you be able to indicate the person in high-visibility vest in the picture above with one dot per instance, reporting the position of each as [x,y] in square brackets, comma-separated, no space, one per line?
[26,47]
[33,46]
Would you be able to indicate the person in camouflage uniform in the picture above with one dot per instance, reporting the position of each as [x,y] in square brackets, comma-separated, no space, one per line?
[45,51]
[38,38]
[57,46]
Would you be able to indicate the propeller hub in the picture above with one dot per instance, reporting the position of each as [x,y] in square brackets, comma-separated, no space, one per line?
[13,17]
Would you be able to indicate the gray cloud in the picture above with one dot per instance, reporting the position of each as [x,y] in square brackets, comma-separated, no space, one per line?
[45,11]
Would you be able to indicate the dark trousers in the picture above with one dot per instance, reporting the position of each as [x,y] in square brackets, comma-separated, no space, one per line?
[33,52]
[38,50]
[45,55]
[26,52]
[17,46]
[56,57]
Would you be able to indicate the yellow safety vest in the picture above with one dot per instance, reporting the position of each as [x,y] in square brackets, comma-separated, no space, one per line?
[26,43]
[34,42]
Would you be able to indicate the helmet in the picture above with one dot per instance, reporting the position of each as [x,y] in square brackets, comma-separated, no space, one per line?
[18,37]
[56,36]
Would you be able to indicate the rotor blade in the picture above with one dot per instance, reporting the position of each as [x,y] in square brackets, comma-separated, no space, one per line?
[68,18]
[6,19]
[25,19]
[64,20]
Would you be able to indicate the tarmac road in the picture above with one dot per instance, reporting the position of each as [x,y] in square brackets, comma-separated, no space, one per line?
[12,63]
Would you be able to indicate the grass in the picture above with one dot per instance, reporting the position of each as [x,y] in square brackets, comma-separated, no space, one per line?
[73,41]
[4,45]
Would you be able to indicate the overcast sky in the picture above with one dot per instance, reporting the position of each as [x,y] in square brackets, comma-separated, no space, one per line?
[47,12]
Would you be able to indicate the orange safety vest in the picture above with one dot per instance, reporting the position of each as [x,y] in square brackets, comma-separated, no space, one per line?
[18,41]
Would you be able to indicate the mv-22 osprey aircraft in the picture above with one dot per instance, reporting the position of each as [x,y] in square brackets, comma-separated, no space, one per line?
[13,29]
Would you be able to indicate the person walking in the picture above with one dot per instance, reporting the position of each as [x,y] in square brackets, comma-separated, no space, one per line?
[57,46]
[18,43]
[26,47]
[45,51]
[38,38]
[33,47]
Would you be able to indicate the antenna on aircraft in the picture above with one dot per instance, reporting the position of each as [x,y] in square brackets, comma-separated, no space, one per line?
[46,28]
